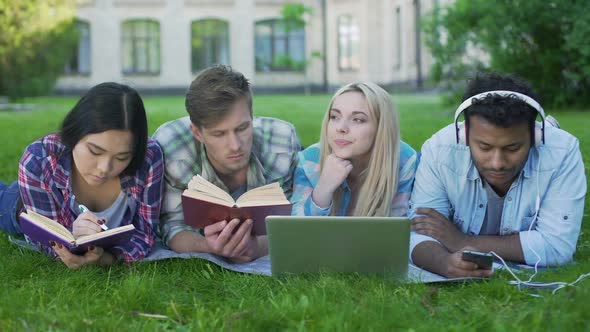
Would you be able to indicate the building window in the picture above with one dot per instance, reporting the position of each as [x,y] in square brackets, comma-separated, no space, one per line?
[209,43]
[279,48]
[141,47]
[80,61]
[348,43]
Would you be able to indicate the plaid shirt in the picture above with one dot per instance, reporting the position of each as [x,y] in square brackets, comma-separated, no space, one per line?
[273,158]
[308,173]
[45,187]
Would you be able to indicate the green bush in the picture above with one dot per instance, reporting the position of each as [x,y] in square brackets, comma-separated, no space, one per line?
[544,42]
[36,41]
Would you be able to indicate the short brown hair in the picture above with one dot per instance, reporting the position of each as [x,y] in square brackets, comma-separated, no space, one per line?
[213,92]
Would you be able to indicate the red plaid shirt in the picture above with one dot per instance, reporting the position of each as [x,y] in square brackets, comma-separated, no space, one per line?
[44,183]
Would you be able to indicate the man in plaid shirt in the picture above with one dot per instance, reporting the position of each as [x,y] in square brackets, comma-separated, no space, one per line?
[221,141]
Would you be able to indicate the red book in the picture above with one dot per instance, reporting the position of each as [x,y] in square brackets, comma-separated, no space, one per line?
[42,230]
[204,203]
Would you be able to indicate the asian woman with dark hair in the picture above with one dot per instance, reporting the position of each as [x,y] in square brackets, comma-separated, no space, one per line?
[101,160]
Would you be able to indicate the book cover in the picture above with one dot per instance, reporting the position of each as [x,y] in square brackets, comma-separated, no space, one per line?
[204,204]
[200,213]
[42,230]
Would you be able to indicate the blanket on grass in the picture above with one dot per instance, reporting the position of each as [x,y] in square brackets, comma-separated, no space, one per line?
[262,265]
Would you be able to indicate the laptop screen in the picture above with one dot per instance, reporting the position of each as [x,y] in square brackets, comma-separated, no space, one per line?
[368,245]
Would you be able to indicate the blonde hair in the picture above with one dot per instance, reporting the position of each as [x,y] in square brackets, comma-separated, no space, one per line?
[379,179]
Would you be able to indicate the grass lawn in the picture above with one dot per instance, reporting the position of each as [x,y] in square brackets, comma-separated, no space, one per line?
[39,294]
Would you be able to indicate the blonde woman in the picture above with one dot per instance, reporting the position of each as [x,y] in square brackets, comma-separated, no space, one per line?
[360,167]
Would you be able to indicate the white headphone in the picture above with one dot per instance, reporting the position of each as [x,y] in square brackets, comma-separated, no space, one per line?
[461,132]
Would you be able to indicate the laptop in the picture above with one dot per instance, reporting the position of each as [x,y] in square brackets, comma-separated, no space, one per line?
[366,245]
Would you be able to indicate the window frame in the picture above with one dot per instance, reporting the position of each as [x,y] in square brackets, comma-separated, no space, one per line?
[72,68]
[153,36]
[211,39]
[276,36]
[349,40]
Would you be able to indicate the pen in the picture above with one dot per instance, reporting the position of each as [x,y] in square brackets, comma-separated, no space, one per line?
[83,209]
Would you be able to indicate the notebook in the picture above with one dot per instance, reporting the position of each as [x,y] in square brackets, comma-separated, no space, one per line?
[366,245]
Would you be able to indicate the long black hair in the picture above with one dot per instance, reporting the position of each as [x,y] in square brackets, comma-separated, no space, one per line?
[108,106]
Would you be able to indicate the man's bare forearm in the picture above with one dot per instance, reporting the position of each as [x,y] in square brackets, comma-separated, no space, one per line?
[431,256]
[506,246]
[188,241]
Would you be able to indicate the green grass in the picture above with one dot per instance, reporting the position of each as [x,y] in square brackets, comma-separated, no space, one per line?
[39,294]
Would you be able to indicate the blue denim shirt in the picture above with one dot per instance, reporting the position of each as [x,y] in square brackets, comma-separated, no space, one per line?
[448,181]
[307,175]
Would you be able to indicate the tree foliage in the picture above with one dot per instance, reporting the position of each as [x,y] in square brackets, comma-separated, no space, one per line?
[544,42]
[293,15]
[36,41]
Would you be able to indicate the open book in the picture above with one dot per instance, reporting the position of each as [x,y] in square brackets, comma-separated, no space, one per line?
[204,203]
[42,230]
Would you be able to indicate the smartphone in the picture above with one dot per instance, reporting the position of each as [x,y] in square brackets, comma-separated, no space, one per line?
[484,260]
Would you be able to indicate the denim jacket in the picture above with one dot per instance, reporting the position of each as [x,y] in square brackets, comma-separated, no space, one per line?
[448,181]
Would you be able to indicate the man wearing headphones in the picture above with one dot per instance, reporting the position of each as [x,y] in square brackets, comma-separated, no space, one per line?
[498,182]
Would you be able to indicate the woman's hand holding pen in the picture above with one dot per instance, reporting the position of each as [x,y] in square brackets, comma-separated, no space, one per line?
[87,223]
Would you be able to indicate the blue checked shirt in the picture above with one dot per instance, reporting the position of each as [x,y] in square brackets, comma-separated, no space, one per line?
[308,173]
[44,179]
[448,181]
[273,159]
